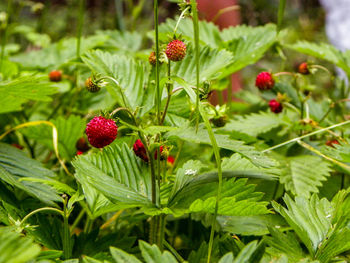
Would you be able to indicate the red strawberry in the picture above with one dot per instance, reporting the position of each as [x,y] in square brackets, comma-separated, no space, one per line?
[79,152]
[171,160]
[332,142]
[82,145]
[101,131]
[176,50]
[304,68]
[55,75]
[264,81]
[139,150]
[275,106]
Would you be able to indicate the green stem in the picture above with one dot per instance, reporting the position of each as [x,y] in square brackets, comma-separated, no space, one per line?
[178,21]
[306,135]
[169,90]
[77,220]
[310,148]
[80,25]
[196,44]
[119,87]
[40,210]
[158,99]
[218,163]
[119,15]
[160,231]
[88,224]
[281,8]
[66,233]
[173,251]
[331,106]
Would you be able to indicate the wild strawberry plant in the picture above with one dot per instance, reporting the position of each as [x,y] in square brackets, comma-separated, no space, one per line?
[112,152]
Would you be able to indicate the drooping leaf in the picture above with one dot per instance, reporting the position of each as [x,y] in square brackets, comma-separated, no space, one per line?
[15,165]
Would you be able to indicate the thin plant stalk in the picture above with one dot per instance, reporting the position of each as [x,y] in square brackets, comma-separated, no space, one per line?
[66,232]
[80,25]
[156,35]
[5,33]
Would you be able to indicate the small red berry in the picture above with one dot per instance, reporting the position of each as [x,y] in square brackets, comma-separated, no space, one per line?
[275,106]
[140,150]
[171,160]
[161,148]
[101,131]
[304,68]
[82,145]
[332,142]
[55,75]
[79,152]
[176,50]
[264,81]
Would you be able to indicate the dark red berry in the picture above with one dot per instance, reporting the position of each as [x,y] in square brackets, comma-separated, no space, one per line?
[304,68]
[82,145]
[275,106]
[264,81]
[101,131]
[176,50]
[332,142]
[55,75]
[140,150]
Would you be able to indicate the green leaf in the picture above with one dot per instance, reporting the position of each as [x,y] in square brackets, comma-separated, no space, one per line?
[116,174]
[121,256]
[15,165]
[16,249]
[122,40]
[18,91]
[248,44]
[248,123]
[302,175]
[130,74]
[212,63]
[69,131]
[152,254]
[224,141]
[310,219]
[251,253]
[322,51]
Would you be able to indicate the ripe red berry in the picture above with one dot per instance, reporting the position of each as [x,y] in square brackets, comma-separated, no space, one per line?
[82,145]
[264,81]
[171,160]
[139,150]
[332,142]
[101,131]
[176,50]
[55,75]
[304,68]
[275,106]
[79,152]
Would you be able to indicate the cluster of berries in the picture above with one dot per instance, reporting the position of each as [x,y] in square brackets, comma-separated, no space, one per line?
[175,51]
[265,81]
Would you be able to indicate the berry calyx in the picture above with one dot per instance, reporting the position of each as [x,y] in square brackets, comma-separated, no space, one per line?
[55,75]
[176,50]
[140,150]
[275,106]
[82,145]
[101,131]
[264,81]
[92,86]
[304,68]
